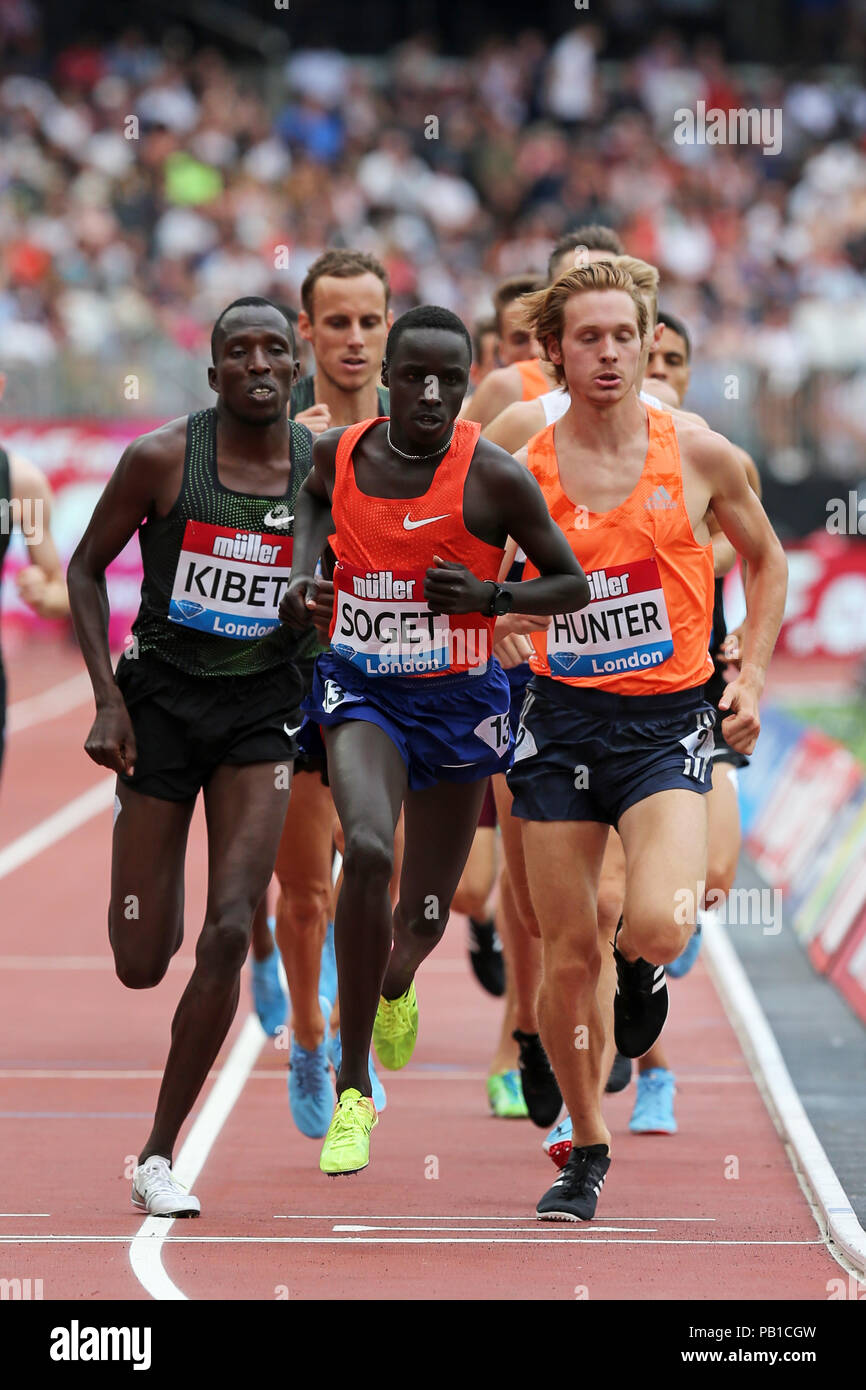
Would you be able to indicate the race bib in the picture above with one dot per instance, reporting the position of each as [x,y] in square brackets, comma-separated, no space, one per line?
[230,582]
[625,626]
[383,625]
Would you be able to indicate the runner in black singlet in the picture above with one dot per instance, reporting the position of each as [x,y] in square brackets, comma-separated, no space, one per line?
[207,697]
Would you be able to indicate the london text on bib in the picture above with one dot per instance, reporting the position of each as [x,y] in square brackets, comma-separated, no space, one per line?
[383,625]
[230,582]
[625,626]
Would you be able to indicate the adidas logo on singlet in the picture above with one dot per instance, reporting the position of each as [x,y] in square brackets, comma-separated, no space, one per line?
[660,501]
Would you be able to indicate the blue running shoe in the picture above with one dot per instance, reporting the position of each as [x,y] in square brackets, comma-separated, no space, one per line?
[311,1095]
[686,959]
[328,971]
[654,1107]
[380,1099]
[269,999]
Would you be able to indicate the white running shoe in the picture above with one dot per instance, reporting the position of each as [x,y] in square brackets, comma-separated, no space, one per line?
[157,1190]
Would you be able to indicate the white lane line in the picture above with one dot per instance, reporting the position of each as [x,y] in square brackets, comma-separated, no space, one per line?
[386,1230]
[49,704]
[145,1251]
[74,962]
[841,1227]
[458,1216]
[567,1229]
[25,1213]
[57,826]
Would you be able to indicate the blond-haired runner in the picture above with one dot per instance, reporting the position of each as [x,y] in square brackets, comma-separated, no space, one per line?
[615,729]
[540,1091]
[653,1111]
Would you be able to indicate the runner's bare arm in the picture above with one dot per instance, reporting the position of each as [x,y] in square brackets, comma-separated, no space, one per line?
[503,499]
[498,390]
[41,583]
[314,523]
[515,425]
[149,473]
[529,523]
[747,526]
[724,554]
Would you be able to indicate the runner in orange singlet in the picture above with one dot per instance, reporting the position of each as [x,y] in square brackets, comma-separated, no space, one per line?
[411,703]
[615,730]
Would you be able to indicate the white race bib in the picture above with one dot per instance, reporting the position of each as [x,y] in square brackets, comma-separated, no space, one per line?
[625,626]
[230,582]
[383,625]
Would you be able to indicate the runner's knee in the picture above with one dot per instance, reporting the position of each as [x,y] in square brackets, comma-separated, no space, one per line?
[568,969]
[610,896]
[368,857]
[305,907]
[139,972]
[721,870]
[224,942]
[658,936]
[425,919]
[139,962]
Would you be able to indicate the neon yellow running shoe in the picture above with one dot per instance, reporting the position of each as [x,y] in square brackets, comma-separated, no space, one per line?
[505,1094]
[396,1029]
[347,1144]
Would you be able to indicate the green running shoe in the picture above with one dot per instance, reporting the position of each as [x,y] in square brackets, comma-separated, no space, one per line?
[505,1094]
[347,1144]
[396,1029]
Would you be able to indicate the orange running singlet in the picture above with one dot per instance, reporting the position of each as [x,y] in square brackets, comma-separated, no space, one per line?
[385,545]
[646,629]
[533,380]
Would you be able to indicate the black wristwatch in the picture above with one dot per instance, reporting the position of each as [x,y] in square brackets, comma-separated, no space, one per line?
[501,602]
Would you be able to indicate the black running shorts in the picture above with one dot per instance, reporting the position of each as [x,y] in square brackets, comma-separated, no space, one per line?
[585,754]
[187,726]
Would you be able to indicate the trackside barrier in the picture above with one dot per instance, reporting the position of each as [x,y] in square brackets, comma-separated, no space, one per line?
[803,803]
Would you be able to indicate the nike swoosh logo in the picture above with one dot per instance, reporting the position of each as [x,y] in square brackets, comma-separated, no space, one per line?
[291,732]
[271,520]
[413,525]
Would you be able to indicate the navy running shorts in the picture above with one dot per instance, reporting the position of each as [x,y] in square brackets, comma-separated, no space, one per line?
[584,754]
[451,728]
[187,726]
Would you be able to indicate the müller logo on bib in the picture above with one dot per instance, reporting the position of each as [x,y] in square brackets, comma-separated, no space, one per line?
[230,582]
[383,625]
[625,626]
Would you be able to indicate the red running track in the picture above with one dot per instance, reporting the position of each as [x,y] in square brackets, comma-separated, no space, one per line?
[445,1209]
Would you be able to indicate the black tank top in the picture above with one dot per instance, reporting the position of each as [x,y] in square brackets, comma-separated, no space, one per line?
[714,688]
[304,395]
[217,565]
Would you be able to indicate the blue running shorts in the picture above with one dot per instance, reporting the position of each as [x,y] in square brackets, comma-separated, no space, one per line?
[584,754]
[452,728]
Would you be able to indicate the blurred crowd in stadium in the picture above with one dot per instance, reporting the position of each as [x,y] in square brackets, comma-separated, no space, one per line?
[142,187]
